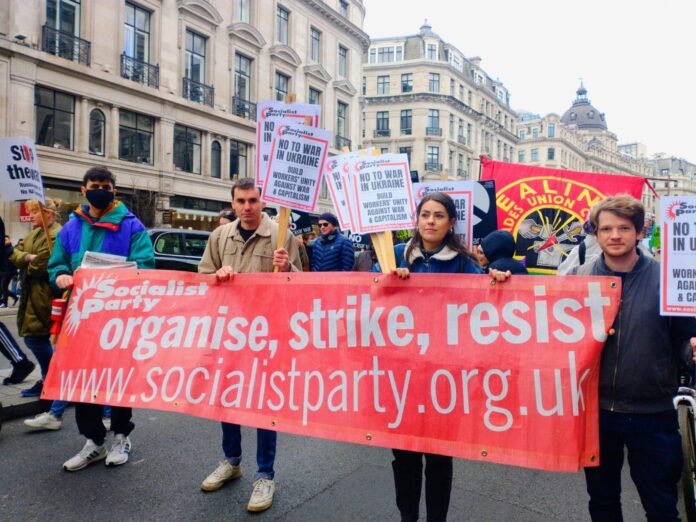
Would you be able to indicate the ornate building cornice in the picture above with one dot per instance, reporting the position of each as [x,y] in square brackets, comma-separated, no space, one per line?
[340,21]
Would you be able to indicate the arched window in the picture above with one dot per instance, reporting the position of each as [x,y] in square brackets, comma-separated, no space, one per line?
[215,159]
[97,126]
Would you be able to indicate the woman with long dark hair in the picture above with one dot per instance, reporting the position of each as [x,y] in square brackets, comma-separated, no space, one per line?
[434,248]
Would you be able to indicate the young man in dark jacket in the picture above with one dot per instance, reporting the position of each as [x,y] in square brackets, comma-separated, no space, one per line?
[332,252]
[639,373]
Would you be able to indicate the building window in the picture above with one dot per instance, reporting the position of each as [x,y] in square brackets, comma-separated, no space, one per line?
[55,118]
[136,37]
[282,86]
[364,86]
[451,126]
[461,92]
[135,137]
[399,53]
[535,133]
[195,57]
[535,155]
[215,160]
[342,61]
[434,82]
[384,150]
[238,160]
[373,55]
[432,52]
[282,19]
[521,134]
[407,151]
[433,119]
[406,122]
[551,130]
[187,149]
[383,85]
[244,11]
[242,77]
[383,123]
[432,158]
[551,153]
[341,120]
[315,44]
[385,54]
[343,8]
[520,156]
[314,96]
[97,130]
[407,82]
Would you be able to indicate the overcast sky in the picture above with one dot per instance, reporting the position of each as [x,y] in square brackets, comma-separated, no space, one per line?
[637,58]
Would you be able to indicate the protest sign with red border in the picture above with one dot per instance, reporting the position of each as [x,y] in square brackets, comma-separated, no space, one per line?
[442,363]
[678,286]
[462,193]
[20,176]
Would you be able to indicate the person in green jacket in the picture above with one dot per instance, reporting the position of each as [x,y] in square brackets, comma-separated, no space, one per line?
[34,314]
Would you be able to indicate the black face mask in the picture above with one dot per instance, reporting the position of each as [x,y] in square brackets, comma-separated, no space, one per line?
[100,198]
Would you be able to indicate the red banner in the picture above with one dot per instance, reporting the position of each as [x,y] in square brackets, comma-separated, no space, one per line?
[440,363]
[545,208]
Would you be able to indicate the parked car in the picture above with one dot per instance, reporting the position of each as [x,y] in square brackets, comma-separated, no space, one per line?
[177,249]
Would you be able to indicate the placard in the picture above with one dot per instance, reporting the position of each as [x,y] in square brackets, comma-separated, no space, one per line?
[20,176]
[462,193]
[678,284]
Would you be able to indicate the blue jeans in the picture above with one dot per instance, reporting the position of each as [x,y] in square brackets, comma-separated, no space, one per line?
[40,346]
[265,449]
[655,458]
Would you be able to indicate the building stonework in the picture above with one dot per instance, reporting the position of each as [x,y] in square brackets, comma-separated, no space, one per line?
[164,92]
[423,97]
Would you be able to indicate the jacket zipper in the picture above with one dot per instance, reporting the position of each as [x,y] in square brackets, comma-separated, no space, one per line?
[616,365]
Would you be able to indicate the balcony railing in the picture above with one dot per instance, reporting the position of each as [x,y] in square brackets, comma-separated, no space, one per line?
[199,92]
[406,132]
[65,45]
[342,142]
[433,167]
[382,133]
[139,71]
[406,87]
[433,131]
[243,108]
[461,139]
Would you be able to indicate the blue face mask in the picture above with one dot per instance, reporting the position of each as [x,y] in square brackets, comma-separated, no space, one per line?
[99,198]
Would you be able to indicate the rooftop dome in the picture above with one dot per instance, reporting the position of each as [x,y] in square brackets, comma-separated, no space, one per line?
[583,114]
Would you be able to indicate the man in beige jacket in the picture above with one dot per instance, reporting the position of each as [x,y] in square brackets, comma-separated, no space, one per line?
[248,244]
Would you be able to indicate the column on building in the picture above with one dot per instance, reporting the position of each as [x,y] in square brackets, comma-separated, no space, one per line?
[82,117]
[205,154]
[112,135]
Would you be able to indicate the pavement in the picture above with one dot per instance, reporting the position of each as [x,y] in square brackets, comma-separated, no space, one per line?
[12,404]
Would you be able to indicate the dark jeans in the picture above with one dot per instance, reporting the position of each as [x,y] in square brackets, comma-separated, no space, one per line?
[265,449]
[6,279]
[40,345]
[655,458]
[89,421]
[408,477]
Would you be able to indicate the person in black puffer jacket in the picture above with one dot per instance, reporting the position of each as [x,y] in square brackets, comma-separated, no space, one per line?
[496,251]
[332,251]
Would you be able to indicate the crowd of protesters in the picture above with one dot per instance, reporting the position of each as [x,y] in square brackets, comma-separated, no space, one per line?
[639,370]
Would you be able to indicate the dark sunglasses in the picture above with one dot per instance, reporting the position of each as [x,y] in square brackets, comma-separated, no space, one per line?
[323,225]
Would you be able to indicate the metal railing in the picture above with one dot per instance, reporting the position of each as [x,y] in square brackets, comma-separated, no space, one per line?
[433,167]
[243,108]
[406,88]
[198,92]
[382,133]
[139,71]
[342,142]
[406,132]
[433,131]
[65,45]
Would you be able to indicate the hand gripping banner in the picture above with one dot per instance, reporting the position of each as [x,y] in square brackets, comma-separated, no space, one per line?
[441,363]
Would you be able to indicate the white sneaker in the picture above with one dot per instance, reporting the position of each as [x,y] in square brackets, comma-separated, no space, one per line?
[262,496]
[224,472]
[87,455]
[106,421]
[118,454]
[44,421]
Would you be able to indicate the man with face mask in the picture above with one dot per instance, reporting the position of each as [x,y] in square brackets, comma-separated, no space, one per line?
[102,225]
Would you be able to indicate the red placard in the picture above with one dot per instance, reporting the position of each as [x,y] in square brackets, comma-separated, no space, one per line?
[441,363]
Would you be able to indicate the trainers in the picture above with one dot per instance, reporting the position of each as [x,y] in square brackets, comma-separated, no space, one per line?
[224,472]
[20,371]
[118,454]
[106,421]
[89,454]
[34,391]
[262,496]
[44,421]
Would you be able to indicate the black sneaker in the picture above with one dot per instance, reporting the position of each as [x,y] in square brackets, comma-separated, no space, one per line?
[20,371]
[34,391]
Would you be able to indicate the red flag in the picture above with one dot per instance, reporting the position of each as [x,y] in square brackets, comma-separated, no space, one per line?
[545,208]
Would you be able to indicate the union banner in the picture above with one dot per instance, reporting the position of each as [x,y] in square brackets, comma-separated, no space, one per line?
[442,363]
[545,208]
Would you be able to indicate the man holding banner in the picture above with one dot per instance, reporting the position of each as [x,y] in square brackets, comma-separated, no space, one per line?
[639,373]
[248,244]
